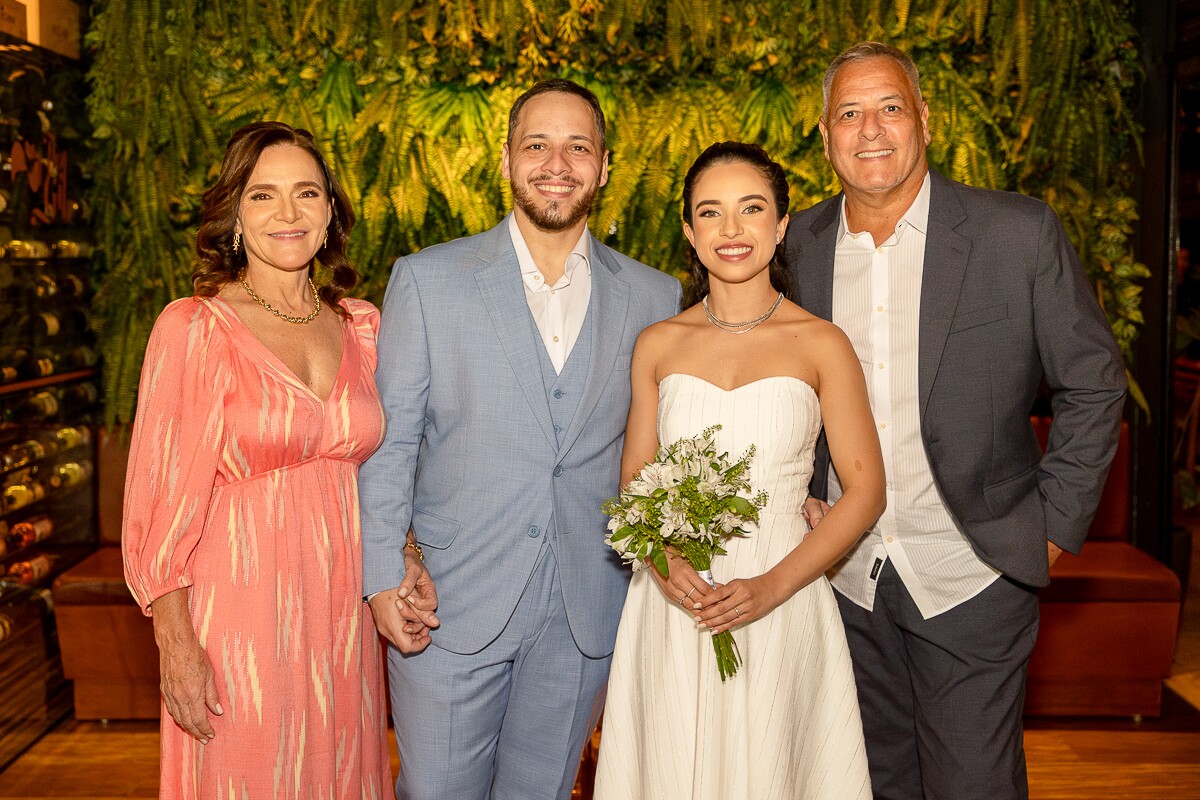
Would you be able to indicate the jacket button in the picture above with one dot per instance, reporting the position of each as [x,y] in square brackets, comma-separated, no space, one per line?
[558,471]
[558,393]
[533,531]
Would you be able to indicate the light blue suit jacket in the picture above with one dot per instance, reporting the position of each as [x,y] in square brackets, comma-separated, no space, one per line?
[470,459]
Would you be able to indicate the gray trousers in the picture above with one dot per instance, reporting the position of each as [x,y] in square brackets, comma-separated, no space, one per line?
[506,723]
[942,698]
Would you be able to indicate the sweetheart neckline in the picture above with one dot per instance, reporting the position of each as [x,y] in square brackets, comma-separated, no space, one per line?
[801,381]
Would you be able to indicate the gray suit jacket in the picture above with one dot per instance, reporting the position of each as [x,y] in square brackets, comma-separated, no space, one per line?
[1005,304]
[470,459]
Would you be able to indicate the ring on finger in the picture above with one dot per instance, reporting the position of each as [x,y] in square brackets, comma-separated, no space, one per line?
[689,594]
[682,599]
[737,611]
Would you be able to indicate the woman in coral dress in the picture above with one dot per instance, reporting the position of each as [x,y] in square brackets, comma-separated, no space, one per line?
[242,540]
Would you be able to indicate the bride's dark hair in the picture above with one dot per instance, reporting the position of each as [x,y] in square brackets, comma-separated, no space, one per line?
[733,153]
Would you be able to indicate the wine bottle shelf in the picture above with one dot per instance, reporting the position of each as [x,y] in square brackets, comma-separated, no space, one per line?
[49,380]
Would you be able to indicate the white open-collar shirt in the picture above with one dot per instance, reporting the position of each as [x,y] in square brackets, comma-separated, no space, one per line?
[558,310]
[877,302]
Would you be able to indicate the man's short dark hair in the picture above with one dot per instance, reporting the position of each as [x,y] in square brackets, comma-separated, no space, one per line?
[563,86]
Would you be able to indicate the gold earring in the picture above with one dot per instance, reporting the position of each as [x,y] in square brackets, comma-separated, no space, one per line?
[237,241]
[326,242]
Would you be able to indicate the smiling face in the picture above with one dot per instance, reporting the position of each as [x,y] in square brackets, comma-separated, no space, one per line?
[875,129]
[734,227]
[285,209]
[556,162]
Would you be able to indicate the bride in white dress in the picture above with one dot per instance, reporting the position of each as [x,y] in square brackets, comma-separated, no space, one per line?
[787,724]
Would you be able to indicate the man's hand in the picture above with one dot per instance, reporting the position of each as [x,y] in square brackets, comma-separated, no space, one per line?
[405,615]
[1053,551]
[814,511]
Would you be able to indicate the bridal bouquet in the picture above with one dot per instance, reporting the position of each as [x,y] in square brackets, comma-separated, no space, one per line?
[689,499]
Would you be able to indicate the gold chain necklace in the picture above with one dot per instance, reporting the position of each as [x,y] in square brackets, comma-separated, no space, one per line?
[740,327]
[285,317]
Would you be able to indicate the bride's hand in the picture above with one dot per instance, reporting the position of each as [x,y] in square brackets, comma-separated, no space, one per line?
[683,586]
[740,601]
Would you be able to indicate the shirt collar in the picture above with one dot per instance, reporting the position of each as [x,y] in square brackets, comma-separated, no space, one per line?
[530,274]
[917,215]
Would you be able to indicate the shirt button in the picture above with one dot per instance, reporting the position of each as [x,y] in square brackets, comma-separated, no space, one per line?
[556,338]
[882,426]
[558,471]
[879,308]
[537,278]
[558,393]
[888,540]
[533,531]
[881,365]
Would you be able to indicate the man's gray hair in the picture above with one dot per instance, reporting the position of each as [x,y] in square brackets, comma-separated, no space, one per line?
[861,52]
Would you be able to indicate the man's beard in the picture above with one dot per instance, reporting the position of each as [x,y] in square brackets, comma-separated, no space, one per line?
[555,216]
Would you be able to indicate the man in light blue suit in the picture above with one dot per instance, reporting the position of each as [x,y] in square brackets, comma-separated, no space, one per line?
[504,371]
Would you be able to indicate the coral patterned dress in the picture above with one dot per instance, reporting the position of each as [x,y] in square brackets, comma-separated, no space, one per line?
[242,486]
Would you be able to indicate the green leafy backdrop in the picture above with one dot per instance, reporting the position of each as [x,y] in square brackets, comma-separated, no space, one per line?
[409,100]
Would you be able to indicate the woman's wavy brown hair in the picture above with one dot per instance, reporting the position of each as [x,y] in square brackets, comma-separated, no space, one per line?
[219,264]
[730,153]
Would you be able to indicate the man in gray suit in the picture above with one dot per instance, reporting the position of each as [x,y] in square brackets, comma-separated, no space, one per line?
[504,371]
[960,302]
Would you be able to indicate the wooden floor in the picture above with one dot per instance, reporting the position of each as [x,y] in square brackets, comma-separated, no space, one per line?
[1068,760]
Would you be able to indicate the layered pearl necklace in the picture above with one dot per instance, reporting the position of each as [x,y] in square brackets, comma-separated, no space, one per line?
[286,317]
[740,327]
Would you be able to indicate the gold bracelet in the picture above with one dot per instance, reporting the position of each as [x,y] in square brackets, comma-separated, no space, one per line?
[416,548]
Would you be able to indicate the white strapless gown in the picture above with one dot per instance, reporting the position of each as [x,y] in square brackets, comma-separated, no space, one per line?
[787,724]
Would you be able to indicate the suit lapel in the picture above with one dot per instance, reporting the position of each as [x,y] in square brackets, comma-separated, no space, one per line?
[504,298]
[946,256]
[813,263]
[608,308]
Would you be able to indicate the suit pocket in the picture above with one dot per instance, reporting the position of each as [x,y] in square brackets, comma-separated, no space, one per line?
[980,316]
[623,363]
[1003,497]
[432,530]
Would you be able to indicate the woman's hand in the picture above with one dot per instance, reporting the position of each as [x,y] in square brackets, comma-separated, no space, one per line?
[683,585]
[186,676]
[740,601]
[405,615]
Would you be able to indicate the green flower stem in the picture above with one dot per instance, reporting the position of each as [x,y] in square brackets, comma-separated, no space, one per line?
[726,649]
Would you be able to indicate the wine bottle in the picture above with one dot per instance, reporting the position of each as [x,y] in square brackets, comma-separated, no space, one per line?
[45,286]
[19,455]
[81,357]
[22,493]
[31,531]
[71,285]
[71,437]
[40,406]
[70,473]
[31,570]
[79,397]
[11,359]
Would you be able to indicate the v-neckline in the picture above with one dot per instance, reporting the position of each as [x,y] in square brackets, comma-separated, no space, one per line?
[278,363]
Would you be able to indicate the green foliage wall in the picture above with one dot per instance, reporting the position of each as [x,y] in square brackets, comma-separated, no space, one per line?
[409,98]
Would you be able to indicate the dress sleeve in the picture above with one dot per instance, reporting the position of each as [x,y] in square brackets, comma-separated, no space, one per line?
[178,435]
[364,316]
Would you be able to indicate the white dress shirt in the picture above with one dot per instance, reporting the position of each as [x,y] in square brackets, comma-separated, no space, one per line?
[558,310]
[877,302]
